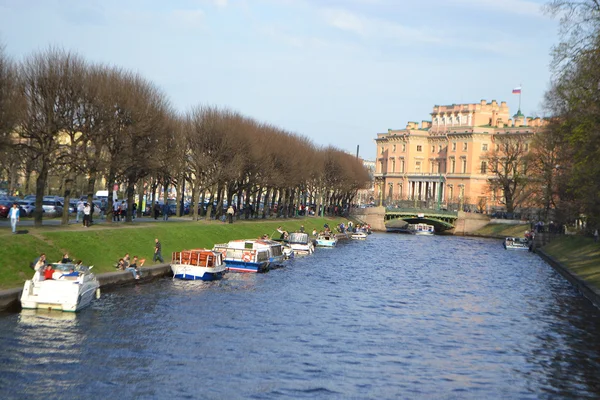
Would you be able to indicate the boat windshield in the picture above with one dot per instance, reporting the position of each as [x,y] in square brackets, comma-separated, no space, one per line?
[69,266]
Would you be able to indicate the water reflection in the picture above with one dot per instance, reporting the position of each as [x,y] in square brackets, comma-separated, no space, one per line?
[396,316]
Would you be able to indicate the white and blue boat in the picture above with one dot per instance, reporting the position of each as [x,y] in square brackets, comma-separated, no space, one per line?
[513,243]
[326,240]
[197,264]
[251,255]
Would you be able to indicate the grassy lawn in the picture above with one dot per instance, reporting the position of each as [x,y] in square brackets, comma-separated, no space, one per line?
[103,245]
[579,254]
[502,230]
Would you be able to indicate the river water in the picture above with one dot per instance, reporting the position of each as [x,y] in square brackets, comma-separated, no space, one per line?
[396,316]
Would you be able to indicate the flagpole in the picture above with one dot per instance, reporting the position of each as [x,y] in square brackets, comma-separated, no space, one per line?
[520,91]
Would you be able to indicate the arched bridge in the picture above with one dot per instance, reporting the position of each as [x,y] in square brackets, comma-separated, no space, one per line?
[440,219]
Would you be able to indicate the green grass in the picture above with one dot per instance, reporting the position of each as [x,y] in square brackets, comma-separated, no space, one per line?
[103,245]
[579,254]
[502,230]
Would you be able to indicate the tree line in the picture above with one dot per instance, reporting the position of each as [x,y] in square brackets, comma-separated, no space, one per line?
[62,116]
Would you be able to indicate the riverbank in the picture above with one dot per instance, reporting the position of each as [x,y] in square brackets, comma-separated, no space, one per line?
[102,245]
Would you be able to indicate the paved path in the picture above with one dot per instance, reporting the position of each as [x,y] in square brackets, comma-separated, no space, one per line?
[5,222]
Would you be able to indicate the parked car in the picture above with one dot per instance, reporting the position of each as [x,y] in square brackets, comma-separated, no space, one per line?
[53,207]
[27,207]
[5,205]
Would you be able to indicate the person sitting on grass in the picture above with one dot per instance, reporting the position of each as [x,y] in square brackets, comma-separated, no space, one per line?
[133,267]
[121,265]
[65,259]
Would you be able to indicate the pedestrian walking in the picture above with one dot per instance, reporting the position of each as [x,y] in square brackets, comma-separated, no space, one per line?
[157,251]
[230,213]
[165,211]
[596,236]
[14,215]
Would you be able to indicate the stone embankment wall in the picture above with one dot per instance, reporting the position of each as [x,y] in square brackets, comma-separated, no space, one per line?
[467,223]
[374,216]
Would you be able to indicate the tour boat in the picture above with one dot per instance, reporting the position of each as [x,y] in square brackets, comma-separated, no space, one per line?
[512,243]
[67,291]
[301,243]
[420,229]
[251,255]
[197,264]
[326,240]
[359,235]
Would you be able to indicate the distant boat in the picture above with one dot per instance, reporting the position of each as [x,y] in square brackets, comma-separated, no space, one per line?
[513,243]
[67,291]
[359,235]
[250,255]
[197,264]
[420,229]
[301,243]
[326,240]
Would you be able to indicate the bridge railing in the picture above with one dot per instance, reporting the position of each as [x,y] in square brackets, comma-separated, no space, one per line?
[412,210]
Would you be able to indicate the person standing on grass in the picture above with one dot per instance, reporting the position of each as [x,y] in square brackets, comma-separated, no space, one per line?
[230,213]
[14,215]
[157,252]
[79,214]
[87,210]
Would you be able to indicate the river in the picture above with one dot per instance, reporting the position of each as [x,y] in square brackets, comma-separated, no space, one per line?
[395,316]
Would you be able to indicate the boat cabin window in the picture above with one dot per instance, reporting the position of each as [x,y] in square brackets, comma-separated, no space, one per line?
[248,245]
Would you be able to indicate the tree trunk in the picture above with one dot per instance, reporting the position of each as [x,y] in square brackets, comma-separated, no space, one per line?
[110,182]
[130,191]
[90,194]
[40,185]
[67,195]
[266,203]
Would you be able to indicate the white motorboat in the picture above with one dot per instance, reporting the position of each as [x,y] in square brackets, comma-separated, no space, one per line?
[301,243]
[71,288]
[251,255]
[359,235]
[420,229]
[513,243]
[326,240]
[197,264]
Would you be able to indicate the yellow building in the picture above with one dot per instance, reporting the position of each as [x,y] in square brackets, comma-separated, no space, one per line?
[446,158]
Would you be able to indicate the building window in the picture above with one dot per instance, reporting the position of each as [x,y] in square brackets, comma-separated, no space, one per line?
[463,167]
[465,146]
[453,146]
[381,149]
[526,146]
[484,167]
[440,147]
[433,148]
[393,165]
[418,166]
[381,166]
[391,191]
[419,148]
[402,166]
[393,148]
[484,147]
[450,192]
[452,165]
[400,190]
[403,147]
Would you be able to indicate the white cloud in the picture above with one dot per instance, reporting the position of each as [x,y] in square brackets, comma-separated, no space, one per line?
[187,18]
[521,7]
[375,28]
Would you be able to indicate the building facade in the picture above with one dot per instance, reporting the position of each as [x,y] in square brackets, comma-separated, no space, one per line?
[445,160]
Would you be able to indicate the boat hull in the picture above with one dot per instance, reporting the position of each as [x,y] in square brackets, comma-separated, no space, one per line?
[326,243]
[246,266]
[194,273]
[67,295]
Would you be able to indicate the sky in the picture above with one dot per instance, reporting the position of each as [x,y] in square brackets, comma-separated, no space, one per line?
[335,71]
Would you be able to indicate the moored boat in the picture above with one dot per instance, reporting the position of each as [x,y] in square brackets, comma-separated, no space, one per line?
[359,235]
[301,243]
[71,288]
[250,255]
[326,240]
[197,264]
[421,229]
[513,243]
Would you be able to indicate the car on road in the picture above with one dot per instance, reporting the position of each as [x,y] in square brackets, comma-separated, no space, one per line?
[5,205]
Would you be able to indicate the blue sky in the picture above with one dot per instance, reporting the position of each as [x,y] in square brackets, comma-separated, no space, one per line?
[336,71]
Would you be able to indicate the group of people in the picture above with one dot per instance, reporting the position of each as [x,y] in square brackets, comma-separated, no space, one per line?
[133,266]
[46,270]
[84,211]
[120,210]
